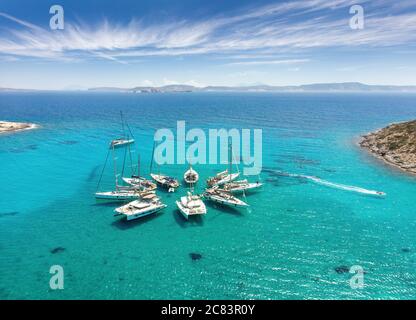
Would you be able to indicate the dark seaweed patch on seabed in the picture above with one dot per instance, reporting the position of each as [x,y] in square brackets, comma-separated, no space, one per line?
[195,256]
[342,269]
[16,150]
[23,149]
[6,214]
[93,173]
[57,250]
[69,142]
[273,172]
[280,179]
[298,159]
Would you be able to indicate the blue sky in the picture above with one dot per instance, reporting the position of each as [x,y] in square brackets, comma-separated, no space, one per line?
[160,42]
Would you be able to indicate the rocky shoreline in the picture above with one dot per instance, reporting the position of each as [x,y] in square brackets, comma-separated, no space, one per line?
[394,144]
[9,127]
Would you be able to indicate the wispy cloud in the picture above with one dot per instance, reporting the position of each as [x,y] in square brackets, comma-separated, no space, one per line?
[19,21]
[267,62]
[272,29]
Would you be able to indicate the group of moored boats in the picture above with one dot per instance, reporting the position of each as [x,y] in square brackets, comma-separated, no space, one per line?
[142,200]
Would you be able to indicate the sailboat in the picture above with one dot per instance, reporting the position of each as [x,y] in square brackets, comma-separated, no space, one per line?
[149,203]
[138,181]
[124,140]
[191,176]
[224,176]
[224,198]
[191,205]
[221,196]
[241,186]
[120,193]
[165,181]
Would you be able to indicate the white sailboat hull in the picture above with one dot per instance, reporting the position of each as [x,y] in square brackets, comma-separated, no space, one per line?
[114,195]
[244,188]
[144,214]
[230,202]
[140,182]
[133,212]
[224,179]
[228,178]
[191,176]
[120,143]
[162,180]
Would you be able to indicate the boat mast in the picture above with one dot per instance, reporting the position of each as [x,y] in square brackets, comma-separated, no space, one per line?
[191,185]
[115,168]
[122,124]
[102,171]
[133,170]
[230,158]
[138,173]
[138,166]
[153,155]
[124,161]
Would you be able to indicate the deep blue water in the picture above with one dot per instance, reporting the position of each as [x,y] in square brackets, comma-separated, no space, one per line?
[286,246]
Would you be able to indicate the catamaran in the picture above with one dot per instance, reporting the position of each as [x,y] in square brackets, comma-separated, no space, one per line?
[241,186]
[125,139]
[191,205]
[191,176]
[148,204]
[223,197]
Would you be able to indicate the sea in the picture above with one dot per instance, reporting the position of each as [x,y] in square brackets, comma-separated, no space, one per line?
[299,239]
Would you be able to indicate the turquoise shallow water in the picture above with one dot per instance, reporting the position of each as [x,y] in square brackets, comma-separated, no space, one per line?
[286,247]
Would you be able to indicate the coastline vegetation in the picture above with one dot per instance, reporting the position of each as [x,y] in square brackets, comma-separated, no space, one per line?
[395,144]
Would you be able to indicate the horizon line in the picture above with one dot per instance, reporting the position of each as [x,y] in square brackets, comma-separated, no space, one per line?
[242,86]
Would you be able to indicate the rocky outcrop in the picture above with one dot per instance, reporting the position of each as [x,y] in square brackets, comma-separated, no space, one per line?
[6,126]
[395,144]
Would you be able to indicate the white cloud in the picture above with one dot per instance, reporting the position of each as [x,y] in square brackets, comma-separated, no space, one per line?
[147,83]
[272,29]
[167,82]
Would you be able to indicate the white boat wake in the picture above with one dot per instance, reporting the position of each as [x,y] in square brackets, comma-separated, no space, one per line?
[337,185]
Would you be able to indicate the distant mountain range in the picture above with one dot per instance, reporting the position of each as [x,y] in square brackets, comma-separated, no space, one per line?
[14,90]
[319,87]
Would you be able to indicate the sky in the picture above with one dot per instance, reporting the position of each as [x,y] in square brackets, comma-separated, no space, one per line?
[217,42]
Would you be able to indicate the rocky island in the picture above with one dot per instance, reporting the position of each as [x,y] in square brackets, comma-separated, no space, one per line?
[395,144]
[7,126]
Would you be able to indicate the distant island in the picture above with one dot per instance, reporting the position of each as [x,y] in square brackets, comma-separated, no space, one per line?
[319,87]
[395,144]
[8,127]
